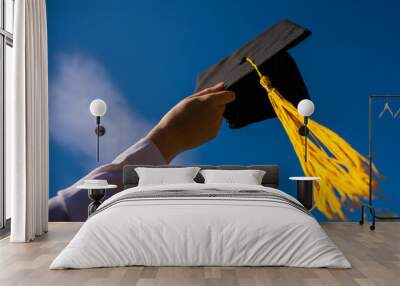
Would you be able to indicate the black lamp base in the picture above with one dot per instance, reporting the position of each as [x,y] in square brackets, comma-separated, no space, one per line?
[303,130]
[100,130]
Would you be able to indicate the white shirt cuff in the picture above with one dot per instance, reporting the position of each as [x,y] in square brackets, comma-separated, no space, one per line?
[143,152]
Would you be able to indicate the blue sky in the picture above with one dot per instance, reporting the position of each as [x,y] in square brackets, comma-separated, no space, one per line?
[148,54]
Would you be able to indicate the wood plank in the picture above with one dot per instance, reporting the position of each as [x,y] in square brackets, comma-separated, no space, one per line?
[375,257]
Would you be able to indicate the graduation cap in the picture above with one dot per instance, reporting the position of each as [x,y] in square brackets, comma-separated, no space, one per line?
[269,52]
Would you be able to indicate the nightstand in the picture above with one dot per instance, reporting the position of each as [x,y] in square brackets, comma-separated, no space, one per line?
[305,190]
[96,195]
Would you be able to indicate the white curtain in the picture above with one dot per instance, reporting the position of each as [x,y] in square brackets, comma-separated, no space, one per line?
[27,124]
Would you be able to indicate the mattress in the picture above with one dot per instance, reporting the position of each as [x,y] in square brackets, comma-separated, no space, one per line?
[201,225]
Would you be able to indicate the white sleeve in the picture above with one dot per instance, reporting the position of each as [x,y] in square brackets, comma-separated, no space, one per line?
[71,204]
[144,152]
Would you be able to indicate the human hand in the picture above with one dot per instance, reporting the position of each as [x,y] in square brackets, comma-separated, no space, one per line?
[195,120]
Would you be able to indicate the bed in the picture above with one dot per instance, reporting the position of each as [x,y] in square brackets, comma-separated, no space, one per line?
[198,224]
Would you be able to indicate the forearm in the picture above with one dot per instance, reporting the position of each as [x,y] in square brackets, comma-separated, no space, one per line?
[166,142]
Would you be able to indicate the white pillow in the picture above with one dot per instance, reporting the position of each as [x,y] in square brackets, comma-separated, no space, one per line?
[162,176]
[248,177]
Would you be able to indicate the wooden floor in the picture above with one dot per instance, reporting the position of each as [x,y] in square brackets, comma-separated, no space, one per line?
[375,257]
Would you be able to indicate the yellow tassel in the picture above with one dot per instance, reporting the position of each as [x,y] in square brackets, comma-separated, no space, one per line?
[342,170]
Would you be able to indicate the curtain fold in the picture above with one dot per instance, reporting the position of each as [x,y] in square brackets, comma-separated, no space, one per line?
[27,124]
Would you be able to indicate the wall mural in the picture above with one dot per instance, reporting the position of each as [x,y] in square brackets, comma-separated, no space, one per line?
[143,58]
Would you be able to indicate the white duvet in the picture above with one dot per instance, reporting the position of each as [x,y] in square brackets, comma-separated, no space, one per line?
[200,231]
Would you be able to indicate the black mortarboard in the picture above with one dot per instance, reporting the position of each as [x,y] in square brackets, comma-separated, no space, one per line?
[269,52]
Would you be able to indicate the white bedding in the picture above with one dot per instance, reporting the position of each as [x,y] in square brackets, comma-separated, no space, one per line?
[192,231]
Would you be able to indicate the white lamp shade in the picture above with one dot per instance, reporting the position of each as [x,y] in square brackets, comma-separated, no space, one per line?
[98,107]
[306,107]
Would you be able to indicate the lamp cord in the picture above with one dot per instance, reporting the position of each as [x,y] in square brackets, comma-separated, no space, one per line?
[98,142]
[305,137]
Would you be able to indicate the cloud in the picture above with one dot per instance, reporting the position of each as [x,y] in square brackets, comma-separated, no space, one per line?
[78,80]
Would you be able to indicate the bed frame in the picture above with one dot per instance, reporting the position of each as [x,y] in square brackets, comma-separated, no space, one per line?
[271,177]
